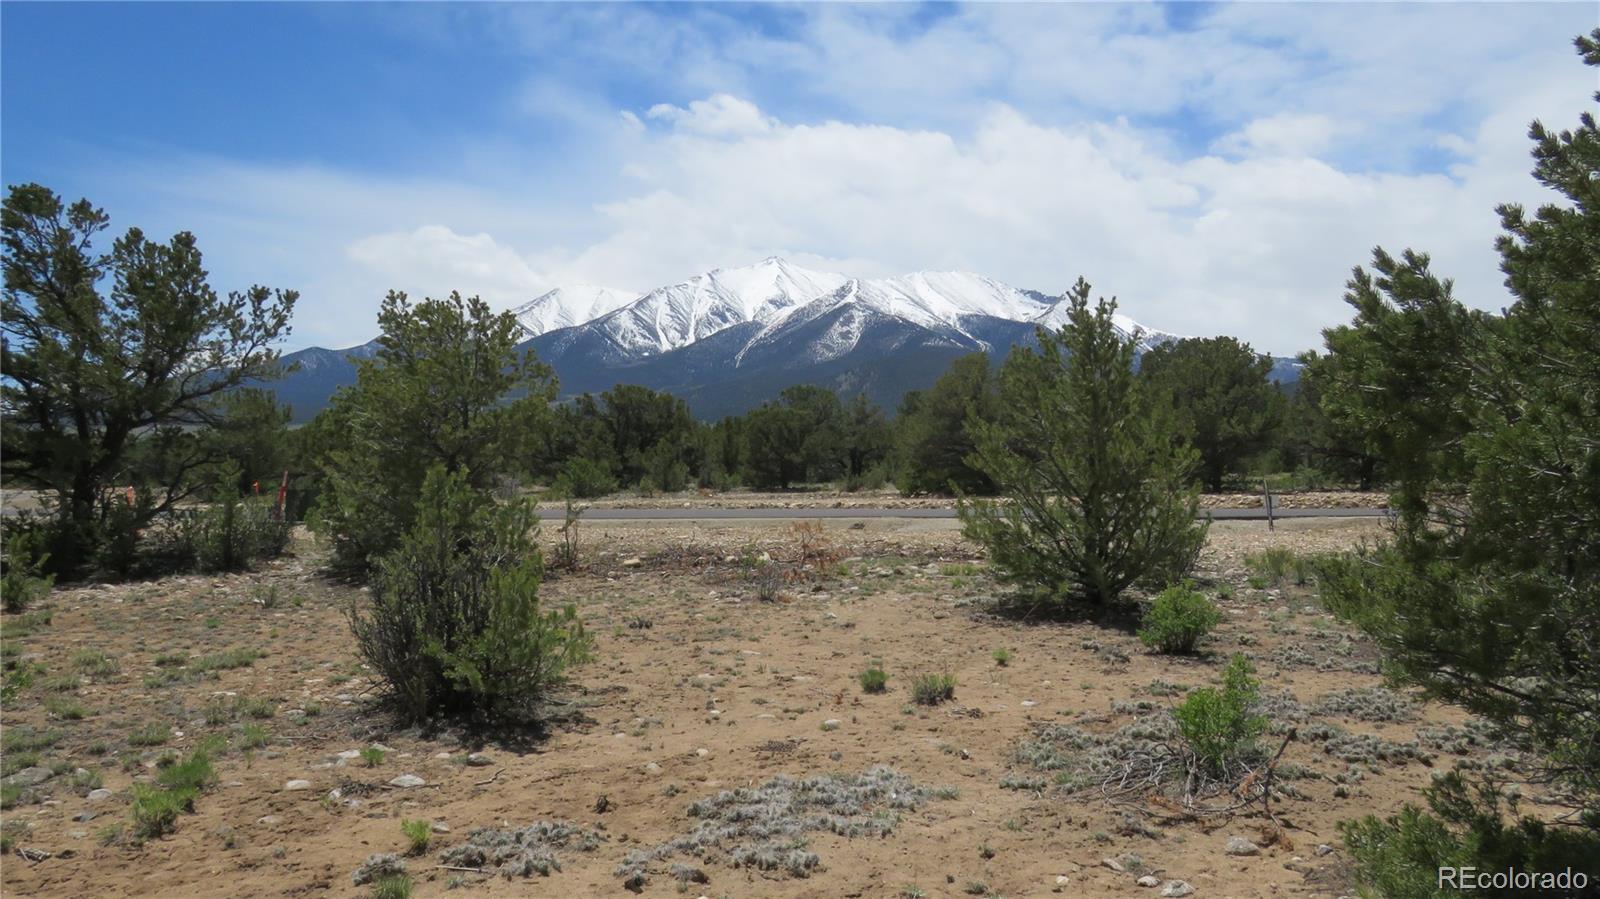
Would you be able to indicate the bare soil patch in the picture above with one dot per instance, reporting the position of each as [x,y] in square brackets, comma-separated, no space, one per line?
[720,745]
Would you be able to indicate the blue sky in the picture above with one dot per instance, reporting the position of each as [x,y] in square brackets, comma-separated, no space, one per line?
[1218,166]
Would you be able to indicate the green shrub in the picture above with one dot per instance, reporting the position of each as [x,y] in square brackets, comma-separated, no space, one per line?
[156,811]
[1177,620]
[1002,657]
[372,756]
[23,582]
[235,532]
[150,735]
[419,833]
[1273,563]
[455,624]
[874,679]
[584,478]
[1218,725]
[932,689]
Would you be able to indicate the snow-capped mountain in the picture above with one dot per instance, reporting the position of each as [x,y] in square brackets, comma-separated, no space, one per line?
[1146,339]
[729,339]
[565,307]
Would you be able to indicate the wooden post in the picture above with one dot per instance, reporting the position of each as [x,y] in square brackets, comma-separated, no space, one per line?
[1265,492]
[283,493]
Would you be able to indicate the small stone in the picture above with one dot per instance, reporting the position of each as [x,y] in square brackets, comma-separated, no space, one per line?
[1176,888]
[440,827]
[1028,703]
[1324,849]
[1113,864]
[479,760]
[100,795]
[1149,880]
[634,562]
[297,785]
[652,768]
[350,754]
[831,724]
[77,834]
[407,780]
[268,820]
[1062,880]
[1241,846]
[83,817]
[702,753]
[941,614]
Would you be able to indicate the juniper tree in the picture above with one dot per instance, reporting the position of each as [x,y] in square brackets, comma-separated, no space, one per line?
[1096,487]
[931,436]
[117,366]
[449,387]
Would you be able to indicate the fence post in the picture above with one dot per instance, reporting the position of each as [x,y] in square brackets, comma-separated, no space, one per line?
[1267,493]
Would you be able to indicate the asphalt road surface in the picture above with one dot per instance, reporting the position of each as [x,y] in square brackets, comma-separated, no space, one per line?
[778,513]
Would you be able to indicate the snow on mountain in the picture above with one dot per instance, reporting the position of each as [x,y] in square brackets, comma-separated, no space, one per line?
[942,302]
[677,315]
[1146,338]
[568,306]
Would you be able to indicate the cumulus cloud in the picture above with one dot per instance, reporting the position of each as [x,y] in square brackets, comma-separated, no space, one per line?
[1220,174]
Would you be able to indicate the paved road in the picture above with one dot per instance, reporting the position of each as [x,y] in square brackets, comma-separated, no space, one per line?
[776,513]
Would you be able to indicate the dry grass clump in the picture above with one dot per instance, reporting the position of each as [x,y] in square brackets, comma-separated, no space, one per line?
[764,827]
[520,853]
[378,866]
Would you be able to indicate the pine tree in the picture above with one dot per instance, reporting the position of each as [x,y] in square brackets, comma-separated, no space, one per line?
[1096,489]
[1221,399]
[1488,592]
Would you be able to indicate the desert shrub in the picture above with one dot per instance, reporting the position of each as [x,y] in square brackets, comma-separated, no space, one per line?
[377,867]
[521,852]
[1098,490]
[873,478]
[23,581]
[1002,657]
[393,886]
[455,624]
[583,478]
[874,679]
[932,689]
[372,756]
[1219,725]
[1400,857]
[1177,620]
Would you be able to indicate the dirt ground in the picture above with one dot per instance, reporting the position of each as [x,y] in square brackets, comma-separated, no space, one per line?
[698,687]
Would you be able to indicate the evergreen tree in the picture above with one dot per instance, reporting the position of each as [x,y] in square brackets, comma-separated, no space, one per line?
[1222,401]
[1097,488]
[120,386]
[447,387]
[932,441]
[1488,592]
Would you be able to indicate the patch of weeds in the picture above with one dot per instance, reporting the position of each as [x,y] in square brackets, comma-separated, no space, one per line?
[764,827]
[960,569]
[1002,657]
[975,888]
[372,756]
[16,761]
[254,707]
[238,657]
[1219,725]
[521,853]
[26,739]
[83,781]
[1368,749]
[10,833]
[418,833]
[218,711]
[874,679]
[932,689]
[173,659]
[151,734]
[1257,582]
[212,623]
[60,683]
[94,664]
[168,677]
[13,795]
[252,736]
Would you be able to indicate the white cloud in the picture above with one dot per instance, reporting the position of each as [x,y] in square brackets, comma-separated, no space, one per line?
[1220,177]
[716,116]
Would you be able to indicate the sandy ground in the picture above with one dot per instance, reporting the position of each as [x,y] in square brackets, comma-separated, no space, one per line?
[699,687]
